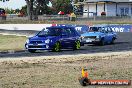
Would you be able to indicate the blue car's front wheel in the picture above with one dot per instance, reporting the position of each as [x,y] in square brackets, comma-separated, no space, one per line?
[57,47]
[77,45]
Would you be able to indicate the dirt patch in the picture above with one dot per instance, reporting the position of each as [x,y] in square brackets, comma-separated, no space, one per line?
[63,71]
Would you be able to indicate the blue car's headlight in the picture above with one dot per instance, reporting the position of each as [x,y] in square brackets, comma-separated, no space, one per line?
[48,41]
[27,41]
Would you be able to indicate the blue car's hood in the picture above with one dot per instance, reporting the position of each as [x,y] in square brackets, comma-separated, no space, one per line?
[41,38]
[92,34]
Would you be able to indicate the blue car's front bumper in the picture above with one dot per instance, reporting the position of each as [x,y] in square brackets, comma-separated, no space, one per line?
[94,41]
[38,46]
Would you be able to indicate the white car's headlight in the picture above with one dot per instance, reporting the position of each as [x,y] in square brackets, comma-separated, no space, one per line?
[47,41]
[27,41]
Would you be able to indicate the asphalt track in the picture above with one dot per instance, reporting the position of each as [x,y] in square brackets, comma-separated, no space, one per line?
[123,43]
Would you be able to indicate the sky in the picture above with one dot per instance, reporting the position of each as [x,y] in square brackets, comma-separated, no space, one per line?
[15,4]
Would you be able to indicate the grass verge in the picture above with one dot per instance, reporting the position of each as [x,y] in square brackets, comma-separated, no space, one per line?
[12,42]
[79,22]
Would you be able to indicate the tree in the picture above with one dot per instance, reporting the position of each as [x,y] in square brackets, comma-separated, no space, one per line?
[4,0]
[62,5]
[8,11]
[30,9]
[75,1]
[40,7]
[24,9]
[78,8]
[17,10]
[36,6]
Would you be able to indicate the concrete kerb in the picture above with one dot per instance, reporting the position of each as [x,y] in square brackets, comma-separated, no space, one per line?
[11,51]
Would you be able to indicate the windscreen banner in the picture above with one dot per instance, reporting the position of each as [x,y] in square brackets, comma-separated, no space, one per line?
[121,28]
[115,27]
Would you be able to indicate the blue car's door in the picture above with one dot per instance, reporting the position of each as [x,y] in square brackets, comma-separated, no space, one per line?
[72,37]
[110,35]
[65,38]
[107,34]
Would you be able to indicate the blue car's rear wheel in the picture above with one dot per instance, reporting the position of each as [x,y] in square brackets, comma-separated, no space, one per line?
[113,39]
[57,47]
[77,45]
[31,50]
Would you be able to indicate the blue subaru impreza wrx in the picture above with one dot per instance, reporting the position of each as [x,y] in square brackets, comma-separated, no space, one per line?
[54,38]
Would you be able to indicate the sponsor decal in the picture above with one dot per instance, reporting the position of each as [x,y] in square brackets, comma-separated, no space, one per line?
[78,28]
[121,28]
[85,81]
[82,28]
[117,29]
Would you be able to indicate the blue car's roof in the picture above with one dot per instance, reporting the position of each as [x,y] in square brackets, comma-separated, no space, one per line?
[60,27]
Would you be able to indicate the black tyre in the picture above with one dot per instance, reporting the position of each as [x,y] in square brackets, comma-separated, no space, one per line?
[57,47]
[77,45]
[113,40]
[31,51]
[84,81]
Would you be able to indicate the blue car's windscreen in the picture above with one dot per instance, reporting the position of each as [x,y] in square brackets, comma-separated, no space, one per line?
[94,29]
[49,32]
[98,29]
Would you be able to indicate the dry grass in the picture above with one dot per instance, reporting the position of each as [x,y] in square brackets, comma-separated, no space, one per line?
[64,73]
[80,22]
[12,42]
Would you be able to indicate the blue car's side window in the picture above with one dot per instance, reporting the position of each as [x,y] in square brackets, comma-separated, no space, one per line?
[69,32]
[64,32]
[50,32]
[73,32]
